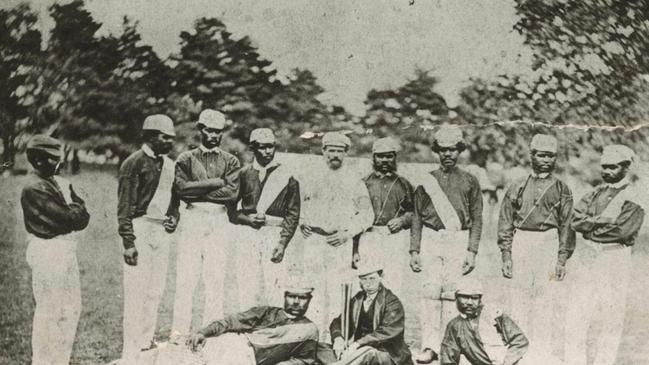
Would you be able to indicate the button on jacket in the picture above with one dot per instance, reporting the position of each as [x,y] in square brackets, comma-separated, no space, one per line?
[391,197]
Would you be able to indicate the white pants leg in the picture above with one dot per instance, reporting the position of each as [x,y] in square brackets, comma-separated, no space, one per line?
[442,255]
[533,286]
[229,348]
[326,268]
[274,275]
[57,293]
[200,250]
[391,250]
[144,285]
[216,246]
[603,285]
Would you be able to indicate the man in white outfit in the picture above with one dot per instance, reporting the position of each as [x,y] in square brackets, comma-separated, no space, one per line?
[207,179]
[53,212]
[147,213]
[335,208]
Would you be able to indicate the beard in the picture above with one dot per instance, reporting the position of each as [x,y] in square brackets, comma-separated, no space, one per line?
[385,167]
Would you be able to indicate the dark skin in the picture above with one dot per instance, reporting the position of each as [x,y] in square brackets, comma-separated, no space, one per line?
[543,162]
[614,173]
[295,304]
[211,137]
[160,144]
[264,154]
[468,304]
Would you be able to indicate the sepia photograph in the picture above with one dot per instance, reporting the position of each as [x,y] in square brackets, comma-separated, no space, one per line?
[304,182]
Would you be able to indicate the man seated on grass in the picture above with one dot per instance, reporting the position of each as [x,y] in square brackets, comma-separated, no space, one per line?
[261,335]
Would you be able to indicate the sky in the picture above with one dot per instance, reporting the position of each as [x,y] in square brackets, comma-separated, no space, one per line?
[350,46]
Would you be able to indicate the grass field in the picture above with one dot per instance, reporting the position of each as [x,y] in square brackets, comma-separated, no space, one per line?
[98,337]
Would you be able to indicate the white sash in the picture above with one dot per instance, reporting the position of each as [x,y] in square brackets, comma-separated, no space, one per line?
[275,183]
[64,186]
[614,207]
[160,202]
[443,206]
[491,339]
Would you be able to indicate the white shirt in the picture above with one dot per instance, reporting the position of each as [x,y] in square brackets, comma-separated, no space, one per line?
[262,170]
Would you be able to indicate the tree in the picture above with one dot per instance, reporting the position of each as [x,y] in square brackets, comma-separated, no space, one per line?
[20,43]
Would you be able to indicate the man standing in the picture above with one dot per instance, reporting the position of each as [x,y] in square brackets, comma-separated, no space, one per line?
[609,220]
[375,335]
[449,202]
[481,337]
[207,178]
[268,216]
[52,213]
[262,335]
[335,207]
[146,209]
[535,213]
[391,196]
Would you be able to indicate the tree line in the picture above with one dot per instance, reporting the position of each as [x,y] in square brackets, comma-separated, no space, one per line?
[590,68]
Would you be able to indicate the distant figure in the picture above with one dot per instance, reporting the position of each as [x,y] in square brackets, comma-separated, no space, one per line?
[449,203]
[267,218]
[376,324]
[207,179]
[480,337]
[262,335]
[536,241]
[391,195]
[147,213]
[609,218]
[53,212]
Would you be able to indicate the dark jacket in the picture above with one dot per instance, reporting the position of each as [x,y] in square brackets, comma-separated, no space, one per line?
[389,325]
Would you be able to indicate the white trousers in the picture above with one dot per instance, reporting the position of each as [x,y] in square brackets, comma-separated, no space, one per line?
[57,293]
[389,249]
[442,255]
[143,286]
[325,268]
[203,243]
[533,289]
[603,284]
[229,348]
[259,280]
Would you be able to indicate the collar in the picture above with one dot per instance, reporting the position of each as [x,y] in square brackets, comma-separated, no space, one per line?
[288,315]
[449,171]
[204,149]
[382,175]
[258,167]
[148,151]
[371,297]
[543,175]
[618,185]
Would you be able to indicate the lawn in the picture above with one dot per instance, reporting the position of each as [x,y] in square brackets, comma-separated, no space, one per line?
[98,337]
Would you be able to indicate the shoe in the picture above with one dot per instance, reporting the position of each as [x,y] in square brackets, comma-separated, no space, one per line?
[152,346]
[426,356]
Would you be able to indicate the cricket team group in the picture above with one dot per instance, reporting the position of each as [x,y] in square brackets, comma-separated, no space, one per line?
[297,239]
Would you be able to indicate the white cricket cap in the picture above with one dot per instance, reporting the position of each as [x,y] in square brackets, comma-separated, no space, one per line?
[211,118]
[616,153]
[262,136]
[159,122]
[336,139]
[384,145]
[469,286]
[544,143]
[448,135]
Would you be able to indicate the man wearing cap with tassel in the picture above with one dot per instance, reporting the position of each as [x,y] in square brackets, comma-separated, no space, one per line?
[264,335]
[207,179]
[609,219]
[335,208]
[449,202]
[376,323]
[52,212]
[483,336]
[536,240]
[268,215]
[391,196]
[146,209]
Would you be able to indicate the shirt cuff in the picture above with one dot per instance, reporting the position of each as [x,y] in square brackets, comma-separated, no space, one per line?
[562,258]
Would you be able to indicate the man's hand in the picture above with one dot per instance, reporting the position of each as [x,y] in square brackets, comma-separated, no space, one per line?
[469,263]
[130,256]
[339,347]
[337,238]
[196,341]
[278,253]
[560,272]
[508,265]
[394,225]
[170,224]
[306,230]
[415,261]
[356,258]
[257,220]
